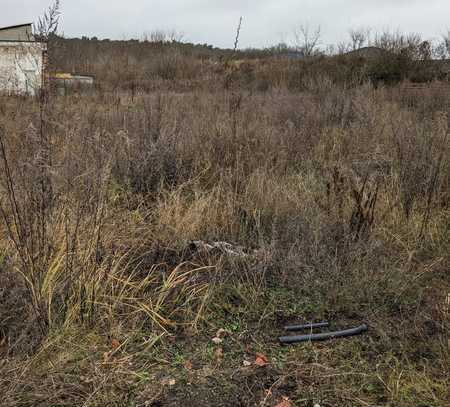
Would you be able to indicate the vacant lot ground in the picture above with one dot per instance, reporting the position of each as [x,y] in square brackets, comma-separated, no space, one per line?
[336,202]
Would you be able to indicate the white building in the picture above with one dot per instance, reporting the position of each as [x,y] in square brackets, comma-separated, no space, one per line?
[22,61]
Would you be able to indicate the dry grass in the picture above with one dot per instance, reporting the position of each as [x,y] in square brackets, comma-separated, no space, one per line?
[338,194]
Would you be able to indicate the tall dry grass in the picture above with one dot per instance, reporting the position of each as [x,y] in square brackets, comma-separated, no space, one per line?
[340,192]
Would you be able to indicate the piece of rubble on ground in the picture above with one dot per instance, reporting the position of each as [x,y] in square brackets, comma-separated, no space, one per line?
[217,247]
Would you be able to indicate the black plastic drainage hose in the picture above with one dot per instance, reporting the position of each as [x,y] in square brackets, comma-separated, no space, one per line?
[324,336]
[296,328]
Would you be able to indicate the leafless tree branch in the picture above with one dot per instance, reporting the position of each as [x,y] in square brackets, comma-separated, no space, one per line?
[307,39]
[47,24]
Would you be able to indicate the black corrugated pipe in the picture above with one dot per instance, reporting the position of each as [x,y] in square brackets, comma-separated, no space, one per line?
[296,328]
[323,336]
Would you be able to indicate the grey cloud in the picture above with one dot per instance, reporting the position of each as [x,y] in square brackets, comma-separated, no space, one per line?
[214,21]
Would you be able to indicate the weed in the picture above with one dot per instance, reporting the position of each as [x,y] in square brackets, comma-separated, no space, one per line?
[336,190]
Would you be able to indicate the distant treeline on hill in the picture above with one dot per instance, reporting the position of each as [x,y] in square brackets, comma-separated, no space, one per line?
[152,63]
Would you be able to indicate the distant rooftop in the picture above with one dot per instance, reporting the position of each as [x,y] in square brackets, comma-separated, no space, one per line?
[367,52]
[16,26]
[20,32]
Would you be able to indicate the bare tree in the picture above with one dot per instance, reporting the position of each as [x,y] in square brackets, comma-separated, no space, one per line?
[46,30]
[399,43]
[158,36]
[47,26]
[162,36]
[359,37]
[342,48]
[32,217]
[446,39]
[425,50]
[307,40]
[238,33]
[442,49]
[175,36]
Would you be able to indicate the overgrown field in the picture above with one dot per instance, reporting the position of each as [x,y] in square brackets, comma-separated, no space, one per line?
[335,200]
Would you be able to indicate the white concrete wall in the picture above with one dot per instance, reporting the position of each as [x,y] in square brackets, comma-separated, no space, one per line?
[21,67]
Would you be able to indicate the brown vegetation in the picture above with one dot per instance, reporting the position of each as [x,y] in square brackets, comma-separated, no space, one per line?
[160,62]
[337,191]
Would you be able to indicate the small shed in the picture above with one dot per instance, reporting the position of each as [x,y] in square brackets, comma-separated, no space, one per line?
[22,61]
[66,82]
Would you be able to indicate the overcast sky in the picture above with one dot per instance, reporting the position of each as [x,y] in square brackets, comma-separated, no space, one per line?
[266,22]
